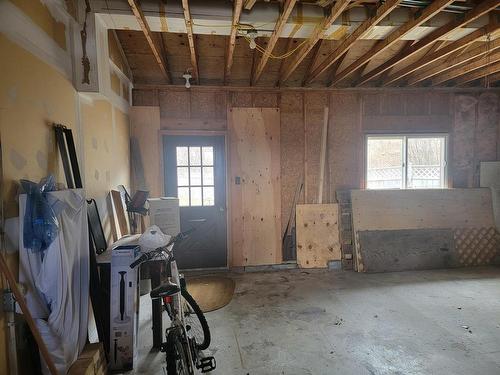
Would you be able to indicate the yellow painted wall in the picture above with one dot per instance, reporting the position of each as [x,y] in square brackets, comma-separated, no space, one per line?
[33,95]
[41,17]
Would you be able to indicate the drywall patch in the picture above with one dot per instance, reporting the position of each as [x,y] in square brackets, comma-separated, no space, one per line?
[17,160]
[42,161]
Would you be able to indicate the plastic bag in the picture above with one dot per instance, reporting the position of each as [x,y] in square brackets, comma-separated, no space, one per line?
[41,226]
[152,239]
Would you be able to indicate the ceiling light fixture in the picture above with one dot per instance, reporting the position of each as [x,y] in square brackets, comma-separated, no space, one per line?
[187,76]
[252,35]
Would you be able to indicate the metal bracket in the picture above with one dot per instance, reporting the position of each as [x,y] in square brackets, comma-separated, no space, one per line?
[8,301]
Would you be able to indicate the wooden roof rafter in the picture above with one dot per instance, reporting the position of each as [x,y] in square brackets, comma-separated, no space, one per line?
[454,62]
[419,18]
[349,40]
[317,34]
[192,50]
[238,5]
[280,24]
[139,15]
[443,52]
[478,74]
[441,32]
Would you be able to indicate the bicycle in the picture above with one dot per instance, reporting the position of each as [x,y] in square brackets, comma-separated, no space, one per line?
[188,334]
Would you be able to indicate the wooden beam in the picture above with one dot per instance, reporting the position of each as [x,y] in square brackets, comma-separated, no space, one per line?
[317,34]
[436,69]
[471,66]
[335,69]
[314,59]
[189,28]
[440,33]
[418,19]
[445,51]
[288,47]
[136,9]
[249,4]
[278,28]
[238,4]
[348,41]
[477,74]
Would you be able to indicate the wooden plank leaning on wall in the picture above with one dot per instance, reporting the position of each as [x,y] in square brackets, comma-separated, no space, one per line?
[255,186]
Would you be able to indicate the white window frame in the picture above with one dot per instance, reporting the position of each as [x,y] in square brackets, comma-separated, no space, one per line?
[404,137]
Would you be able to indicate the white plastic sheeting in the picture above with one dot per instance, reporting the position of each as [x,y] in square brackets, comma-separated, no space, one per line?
[58,285]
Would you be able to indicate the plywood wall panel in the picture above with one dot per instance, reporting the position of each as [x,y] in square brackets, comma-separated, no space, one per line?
[317,235]
[145,98]
[193,124]
[241,99]
[421,209]
[486,130]
[266,100]
[292,151]
[254,149]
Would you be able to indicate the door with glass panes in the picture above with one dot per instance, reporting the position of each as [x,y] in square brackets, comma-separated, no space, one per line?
[195,172]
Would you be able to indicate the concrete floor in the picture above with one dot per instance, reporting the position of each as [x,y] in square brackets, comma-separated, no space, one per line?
[324,322]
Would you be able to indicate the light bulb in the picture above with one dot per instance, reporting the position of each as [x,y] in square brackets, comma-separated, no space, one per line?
[188,84]
[187,76]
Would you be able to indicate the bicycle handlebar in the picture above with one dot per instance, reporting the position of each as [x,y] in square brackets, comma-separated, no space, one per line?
[175,239]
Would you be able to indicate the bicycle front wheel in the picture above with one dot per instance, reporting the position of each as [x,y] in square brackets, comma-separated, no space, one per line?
[195,320]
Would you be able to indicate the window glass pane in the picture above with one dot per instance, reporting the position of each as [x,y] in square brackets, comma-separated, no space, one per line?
[183,195]
[208,196]
[195,196]
[208,155]
[384,163]
[182,156]
[425,163]
[208,175]
[182,176]
[194,156]
[195,175]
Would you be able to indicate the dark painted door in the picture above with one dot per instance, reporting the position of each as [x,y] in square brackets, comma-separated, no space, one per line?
[195,172]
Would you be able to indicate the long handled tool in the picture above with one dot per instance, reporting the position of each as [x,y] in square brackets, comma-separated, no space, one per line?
[27,315]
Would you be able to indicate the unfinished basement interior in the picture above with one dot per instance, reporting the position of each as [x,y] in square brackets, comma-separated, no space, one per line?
[250,187]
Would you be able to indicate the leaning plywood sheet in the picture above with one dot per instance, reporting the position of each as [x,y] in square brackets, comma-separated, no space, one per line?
[421,209]
[254,149]
[317,235]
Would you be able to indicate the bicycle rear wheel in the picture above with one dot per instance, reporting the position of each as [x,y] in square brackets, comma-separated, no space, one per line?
[195,319]
[177,354]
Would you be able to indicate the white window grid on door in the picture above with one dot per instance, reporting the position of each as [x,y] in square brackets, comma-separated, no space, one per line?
[195,176]
[442,168]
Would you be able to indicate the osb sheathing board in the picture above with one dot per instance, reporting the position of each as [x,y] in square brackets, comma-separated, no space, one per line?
[345,142]
[292,151]
[145,149]
[317,235]
[315,104]
[463,141]
[254,178]
[421,209]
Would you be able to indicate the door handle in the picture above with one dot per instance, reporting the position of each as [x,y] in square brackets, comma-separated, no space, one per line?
[197,220]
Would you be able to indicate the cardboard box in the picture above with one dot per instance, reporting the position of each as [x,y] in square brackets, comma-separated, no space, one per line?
[91,361]
[124,308]
[164,212]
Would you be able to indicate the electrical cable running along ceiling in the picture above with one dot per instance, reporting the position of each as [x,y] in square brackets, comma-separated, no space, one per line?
[211,22]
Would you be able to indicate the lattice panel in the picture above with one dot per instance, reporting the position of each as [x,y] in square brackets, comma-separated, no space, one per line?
[476,246]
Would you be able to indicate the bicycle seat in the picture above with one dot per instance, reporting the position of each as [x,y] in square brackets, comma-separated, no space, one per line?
[165,290]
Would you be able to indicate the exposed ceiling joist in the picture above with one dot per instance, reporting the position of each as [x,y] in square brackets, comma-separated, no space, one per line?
[317,34]
[280,24]
[314,59]
[440,33]
[443,52]
[192,50]
[335,69]
[471,66]
[454,62]
[136,9]
[249,4]
[427,13]
[477,74]
[238,5]
[349,40]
